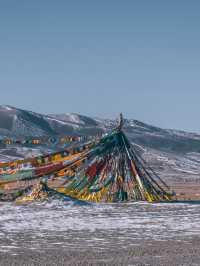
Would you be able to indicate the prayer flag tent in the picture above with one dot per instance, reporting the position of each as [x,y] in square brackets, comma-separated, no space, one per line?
[112,171]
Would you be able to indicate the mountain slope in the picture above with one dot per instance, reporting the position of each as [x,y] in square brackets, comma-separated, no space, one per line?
[15,122]
[21,123]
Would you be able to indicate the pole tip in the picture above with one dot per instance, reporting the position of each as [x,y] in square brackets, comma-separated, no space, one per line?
[121,122]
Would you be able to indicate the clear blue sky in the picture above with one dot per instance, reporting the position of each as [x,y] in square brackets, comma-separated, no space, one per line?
[101,57]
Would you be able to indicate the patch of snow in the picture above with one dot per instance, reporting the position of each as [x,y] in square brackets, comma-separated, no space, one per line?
[58,121]
[6,107]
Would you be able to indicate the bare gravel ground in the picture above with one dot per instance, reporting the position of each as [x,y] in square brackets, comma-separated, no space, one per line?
[147,253]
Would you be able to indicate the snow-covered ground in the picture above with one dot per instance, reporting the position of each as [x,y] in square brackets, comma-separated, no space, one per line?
[69,225]
[174,166]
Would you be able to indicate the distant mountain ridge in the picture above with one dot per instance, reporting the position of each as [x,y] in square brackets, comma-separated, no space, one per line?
[22,123]
[15,122]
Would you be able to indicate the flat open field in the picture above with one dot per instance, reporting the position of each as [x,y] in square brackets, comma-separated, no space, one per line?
[153,253]
[67,233]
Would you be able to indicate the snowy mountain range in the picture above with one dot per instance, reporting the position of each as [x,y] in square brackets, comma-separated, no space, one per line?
[171,152]
[15,122]
[21,123]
